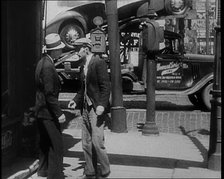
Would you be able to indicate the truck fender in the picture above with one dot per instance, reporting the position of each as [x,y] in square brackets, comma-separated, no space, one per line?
[67,15]
[200,84]
[127,83]
[130,75]
[197,87]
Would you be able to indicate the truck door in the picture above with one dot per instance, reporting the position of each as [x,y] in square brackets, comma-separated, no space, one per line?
[169,72]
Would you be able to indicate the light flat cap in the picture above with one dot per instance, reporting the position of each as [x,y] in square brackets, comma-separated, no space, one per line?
[53,42]
[83,41]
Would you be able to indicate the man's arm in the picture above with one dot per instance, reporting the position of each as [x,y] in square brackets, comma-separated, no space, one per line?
[77,100]
[49,91]
[104,83]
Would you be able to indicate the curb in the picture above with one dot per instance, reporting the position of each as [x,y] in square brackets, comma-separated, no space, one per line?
[26,173]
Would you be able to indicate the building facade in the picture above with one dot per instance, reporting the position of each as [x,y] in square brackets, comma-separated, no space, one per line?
[198,27]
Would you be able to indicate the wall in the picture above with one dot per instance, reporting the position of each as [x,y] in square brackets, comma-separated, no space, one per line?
[21,50]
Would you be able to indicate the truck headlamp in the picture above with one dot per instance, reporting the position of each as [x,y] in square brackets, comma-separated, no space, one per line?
[176,7]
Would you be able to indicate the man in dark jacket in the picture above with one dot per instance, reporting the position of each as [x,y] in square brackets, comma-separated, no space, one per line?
[93,100]
[48,111]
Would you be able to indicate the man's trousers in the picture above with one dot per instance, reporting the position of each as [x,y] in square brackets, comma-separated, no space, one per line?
[93,143]
[51,149]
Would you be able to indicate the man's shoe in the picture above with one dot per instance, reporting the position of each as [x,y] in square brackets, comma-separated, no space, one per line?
[105,175]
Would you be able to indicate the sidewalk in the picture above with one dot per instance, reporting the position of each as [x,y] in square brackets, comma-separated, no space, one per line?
[133,155]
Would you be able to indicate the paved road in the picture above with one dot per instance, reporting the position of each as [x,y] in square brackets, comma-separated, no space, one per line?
[163,102]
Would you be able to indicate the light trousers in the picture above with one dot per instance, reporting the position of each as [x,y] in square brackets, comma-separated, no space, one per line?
[93,143]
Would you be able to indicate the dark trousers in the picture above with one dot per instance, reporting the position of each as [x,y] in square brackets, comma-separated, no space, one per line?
[93,143]
[51,149]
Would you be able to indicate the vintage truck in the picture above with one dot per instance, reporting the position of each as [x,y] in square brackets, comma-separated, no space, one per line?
[77,21]
[177,72]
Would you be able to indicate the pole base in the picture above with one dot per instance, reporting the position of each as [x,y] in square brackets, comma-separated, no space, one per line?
[118,115]
[214,162]
[150,128]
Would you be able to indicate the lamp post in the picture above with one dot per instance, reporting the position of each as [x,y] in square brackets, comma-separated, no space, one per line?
[214,154]
[118,112]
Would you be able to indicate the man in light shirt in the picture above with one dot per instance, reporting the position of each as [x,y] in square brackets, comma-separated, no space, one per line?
[93,100]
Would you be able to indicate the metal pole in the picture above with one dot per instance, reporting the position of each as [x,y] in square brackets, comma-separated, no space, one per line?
[150,127]
[150,124]
[207,26]
[118,112]
[214,154]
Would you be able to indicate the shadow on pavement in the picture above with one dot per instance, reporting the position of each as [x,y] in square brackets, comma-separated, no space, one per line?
[140,161]
[72,119]
[157,162]
[197,143]
[69,142]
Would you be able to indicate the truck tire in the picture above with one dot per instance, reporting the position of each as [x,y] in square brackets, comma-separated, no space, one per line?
[206,96]
[127,84]
[196,100]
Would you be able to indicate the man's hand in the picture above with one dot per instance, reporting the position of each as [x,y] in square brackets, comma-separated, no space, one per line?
[62,118]
[99,110]
[72,104]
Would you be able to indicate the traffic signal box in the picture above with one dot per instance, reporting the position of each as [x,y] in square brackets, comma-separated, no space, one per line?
[98,39]
[152,34]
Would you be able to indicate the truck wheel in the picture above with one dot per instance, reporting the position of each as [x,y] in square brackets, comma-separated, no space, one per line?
[195,99]
[69,33]
[206,96]
[127,84]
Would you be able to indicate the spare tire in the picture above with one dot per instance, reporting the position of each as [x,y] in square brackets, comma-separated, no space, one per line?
[69,33]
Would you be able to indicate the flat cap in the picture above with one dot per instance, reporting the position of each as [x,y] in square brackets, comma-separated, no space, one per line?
[83,41]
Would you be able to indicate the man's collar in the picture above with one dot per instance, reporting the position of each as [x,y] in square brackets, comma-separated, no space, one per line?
[50,58]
